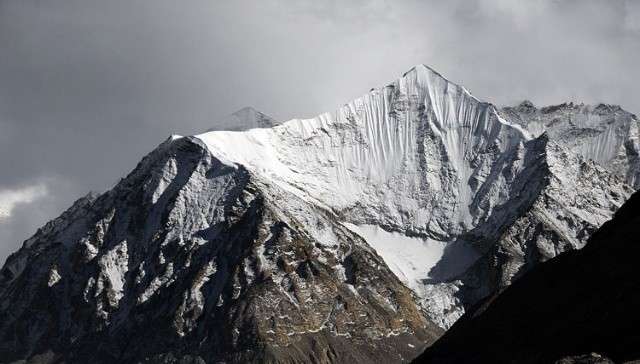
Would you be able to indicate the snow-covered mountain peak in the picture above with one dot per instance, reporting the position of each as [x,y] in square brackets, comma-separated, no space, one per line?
[423,78]
[385,154]
[244,119]
[249,113]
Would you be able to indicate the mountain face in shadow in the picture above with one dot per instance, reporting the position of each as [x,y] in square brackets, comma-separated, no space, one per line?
[579,303]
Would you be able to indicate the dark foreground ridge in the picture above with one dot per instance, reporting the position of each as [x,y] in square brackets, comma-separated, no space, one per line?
[581,302]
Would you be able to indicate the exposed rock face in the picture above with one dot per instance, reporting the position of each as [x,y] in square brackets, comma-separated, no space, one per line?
[604,133]
[581,307]
[188,256]
[298,242]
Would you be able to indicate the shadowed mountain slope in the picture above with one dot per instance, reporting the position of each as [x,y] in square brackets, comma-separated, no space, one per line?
[577,303]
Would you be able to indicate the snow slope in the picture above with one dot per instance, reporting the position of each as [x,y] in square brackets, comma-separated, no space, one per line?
[412,259]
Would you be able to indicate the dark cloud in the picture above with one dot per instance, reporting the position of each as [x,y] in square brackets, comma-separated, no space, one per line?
[88,86]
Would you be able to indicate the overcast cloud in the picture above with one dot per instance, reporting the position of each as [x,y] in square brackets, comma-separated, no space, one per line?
[87,87]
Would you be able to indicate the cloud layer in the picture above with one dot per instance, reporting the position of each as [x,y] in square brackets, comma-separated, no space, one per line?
[9,199]
[87,86]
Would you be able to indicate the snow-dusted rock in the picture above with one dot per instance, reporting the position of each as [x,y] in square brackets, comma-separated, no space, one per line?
[606,134]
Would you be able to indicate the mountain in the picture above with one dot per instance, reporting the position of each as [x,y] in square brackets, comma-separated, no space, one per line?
[477,198]
[563,310]
[358,235]
[189,258]
[244,119]
[604,133]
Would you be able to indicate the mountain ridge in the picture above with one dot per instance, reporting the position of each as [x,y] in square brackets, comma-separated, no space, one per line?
[604,133]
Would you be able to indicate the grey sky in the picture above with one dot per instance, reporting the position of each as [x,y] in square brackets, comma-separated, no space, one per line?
[87,87]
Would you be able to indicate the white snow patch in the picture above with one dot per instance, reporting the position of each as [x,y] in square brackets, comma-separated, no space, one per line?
[412,259]
[156,283]
[164,180]
[114,266]
[54,277]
